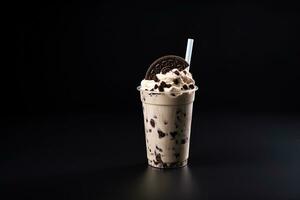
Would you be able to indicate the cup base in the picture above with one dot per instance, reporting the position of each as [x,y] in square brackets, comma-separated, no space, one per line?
[168,165]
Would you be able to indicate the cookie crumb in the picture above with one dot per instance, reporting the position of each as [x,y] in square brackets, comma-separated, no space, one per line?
[160,88]
[161,134]
[152,122]
[163,84]
[173,134]
[176,81]
[191,86]
[159,149]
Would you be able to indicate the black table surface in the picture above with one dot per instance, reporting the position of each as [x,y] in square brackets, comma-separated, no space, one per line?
[102,156]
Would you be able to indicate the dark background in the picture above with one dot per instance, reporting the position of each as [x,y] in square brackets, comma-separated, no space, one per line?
[72,120]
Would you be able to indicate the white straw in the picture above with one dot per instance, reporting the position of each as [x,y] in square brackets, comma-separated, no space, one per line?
[188,53]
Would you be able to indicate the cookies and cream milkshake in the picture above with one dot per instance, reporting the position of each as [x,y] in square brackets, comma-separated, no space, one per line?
[167,94]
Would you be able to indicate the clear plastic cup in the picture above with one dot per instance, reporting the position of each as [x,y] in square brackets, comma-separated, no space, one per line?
[167,120]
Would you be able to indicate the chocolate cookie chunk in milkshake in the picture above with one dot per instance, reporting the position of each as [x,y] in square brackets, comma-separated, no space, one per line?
[167,94]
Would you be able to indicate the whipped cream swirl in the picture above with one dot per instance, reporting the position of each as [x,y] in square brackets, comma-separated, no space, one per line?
[174,81]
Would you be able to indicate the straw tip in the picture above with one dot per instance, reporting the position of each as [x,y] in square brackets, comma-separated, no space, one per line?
[189,49]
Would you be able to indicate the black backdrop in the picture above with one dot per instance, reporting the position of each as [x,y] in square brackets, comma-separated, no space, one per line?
[79,56]
[71,84]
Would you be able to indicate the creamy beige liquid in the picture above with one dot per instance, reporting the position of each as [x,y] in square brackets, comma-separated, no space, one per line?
[167,122]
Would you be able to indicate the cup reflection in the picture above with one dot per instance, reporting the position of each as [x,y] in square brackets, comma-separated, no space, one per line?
[164,184]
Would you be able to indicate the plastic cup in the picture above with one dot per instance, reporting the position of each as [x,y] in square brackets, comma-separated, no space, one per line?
[167,121]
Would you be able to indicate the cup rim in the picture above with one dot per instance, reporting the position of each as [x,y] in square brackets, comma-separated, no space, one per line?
[179,92]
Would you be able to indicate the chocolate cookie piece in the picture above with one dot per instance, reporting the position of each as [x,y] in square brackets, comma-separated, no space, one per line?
[176,81]
[152,122]
[158,159]
[160,134]
[191,86]
[159,149]
[177,72]
[165,64]
[160,88]
[173,134]
[185,87]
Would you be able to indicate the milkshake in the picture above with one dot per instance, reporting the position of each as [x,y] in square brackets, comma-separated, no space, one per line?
[167,94]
